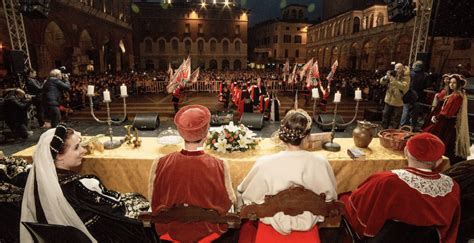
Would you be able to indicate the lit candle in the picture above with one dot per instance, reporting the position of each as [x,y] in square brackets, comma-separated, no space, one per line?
[358,94]
[337,97]
[123,90]
[315,93]
[90,90]
[107,96]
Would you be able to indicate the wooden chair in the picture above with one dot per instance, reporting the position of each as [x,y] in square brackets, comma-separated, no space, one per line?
[295,201]
[188,214]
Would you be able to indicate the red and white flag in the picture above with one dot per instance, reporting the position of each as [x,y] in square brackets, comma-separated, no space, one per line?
[293,75]
[180,77]
[333,71]
[305,68]
[194,76]
[286,69]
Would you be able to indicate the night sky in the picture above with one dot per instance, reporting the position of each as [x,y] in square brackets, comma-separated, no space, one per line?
[262,10]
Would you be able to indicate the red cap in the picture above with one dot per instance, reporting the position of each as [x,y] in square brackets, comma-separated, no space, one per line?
[192,122]
[425,147]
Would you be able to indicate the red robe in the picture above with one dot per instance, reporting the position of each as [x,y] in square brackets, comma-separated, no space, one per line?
[194,178]
[410,196]
[445,128]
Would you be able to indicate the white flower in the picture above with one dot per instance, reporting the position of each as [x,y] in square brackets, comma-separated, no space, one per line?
[221,145]
[231,128]
[243,141]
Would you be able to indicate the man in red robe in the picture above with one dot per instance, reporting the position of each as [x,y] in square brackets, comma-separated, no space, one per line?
[191,177]
[416,195]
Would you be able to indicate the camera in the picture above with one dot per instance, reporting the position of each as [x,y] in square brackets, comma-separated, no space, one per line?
[392,73]
[64,71]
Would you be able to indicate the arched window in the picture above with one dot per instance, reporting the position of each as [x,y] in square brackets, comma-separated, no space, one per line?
[237,65]
[371,21]
[200,46]
[237,46]
[174,45]
[300,14]
[148,46]
[356,25]
[213,64]
[213,45]
[187,46]
[225,46]
[162,45]
[379,19]
[225,64]
[293,14]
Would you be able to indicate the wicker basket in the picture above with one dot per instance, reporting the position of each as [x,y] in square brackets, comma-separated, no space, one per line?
[395,139]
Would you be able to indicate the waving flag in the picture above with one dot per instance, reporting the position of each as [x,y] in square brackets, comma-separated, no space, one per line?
[315,70]
[313,75]
[292,77]
[194,76]
[170,71]
[286,69]
[305,68]
[333,71]
[180,77]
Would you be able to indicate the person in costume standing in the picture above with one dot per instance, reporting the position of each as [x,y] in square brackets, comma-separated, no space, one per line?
[192,177]
[56,194]
[451,124]
[277,172]
[415,195]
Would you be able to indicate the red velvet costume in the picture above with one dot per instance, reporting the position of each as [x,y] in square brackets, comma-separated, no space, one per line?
[445,128]
[409,195]
[194,178]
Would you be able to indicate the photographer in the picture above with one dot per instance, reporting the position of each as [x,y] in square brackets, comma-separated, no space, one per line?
[397,82]
[53,89]
[35,89]
[16,106]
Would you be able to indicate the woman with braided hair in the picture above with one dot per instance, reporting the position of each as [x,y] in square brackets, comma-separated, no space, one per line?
[292,167]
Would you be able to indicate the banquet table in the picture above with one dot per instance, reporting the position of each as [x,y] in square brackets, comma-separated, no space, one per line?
[127,169]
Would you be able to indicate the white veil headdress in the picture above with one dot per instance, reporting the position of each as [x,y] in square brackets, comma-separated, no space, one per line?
[57,209]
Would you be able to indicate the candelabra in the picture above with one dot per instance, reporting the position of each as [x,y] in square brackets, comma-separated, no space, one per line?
[110,144]
[332,146]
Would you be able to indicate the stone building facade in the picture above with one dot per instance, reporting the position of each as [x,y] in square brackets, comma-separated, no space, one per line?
[276,40]
[79,33]
[213,33]
[365,39]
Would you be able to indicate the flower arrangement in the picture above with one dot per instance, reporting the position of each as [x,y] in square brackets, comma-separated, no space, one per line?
[231,138]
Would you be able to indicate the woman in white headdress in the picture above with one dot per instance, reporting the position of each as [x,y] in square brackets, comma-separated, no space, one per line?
[56,194]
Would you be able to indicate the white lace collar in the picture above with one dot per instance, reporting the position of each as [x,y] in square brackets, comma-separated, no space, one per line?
[434,187]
